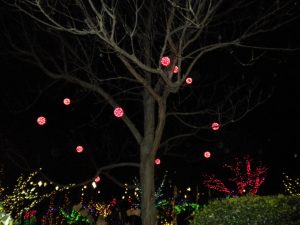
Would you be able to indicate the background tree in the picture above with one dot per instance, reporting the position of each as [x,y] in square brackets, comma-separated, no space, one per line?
[114,49]
[246,179]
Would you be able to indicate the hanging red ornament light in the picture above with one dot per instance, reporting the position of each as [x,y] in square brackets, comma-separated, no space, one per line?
[215,126]
[79,149]
[97,179]
[67,101]
[207,154]
[118,112]
[176,69]
[165,61]
[189,80]
[157,161]
[41,120]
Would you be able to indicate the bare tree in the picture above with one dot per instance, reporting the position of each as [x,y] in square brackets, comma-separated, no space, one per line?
[130,38]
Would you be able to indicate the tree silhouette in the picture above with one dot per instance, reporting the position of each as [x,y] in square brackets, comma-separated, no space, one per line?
[156,61]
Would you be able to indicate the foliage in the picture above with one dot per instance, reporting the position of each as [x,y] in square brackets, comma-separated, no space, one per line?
[250,210]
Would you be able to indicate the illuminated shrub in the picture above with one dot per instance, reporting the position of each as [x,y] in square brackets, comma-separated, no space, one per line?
[250,210]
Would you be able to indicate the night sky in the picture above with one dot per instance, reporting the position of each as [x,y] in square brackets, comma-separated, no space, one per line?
[270,133]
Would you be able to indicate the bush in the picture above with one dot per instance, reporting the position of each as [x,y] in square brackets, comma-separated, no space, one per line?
[250,210]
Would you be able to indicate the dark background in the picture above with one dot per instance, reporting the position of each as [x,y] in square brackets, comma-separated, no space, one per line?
[268,134]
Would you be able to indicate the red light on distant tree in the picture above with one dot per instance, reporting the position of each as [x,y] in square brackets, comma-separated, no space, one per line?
[67,101]
[79,149]
[41,120]
[215,126]
[176,69]
[97,179]
[207,154]
[165,61]
[189,80]
[118,112]
[157,161]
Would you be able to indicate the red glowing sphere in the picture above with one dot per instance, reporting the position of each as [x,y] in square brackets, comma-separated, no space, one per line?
[189,80]
[215,126]
[118,112]
[157,161]
[79,149]
[207,154]
[67,101]
[176,69]
[165,61]
[97,179]
[41,120]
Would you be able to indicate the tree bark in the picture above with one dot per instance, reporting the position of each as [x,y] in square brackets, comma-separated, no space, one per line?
[148,189]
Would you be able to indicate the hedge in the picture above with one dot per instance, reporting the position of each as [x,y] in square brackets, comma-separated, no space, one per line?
[250,210]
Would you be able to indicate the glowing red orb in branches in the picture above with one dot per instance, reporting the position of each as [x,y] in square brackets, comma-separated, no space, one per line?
[67,101]
[165,61]
[118,112]
[215,126]
[189,80]
[176,69]
[97,179]
[207,154]
[157,161]
[41,120]
[79,149]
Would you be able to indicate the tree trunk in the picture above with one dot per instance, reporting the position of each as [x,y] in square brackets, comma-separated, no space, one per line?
[148,188]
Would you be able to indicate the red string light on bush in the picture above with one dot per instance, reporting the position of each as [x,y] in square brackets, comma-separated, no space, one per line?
[41,120]
[79,149]
[157,161]
[207,154]
[118,112]
[176,69]
[67,101]
[215,126]
[189,80]
[165,61]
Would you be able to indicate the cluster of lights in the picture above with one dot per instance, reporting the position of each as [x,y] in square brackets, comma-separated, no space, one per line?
[165,61]
[102,209]
[291,186]
[251,179]
[27,193]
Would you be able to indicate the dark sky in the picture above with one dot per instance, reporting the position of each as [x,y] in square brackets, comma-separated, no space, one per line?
[269,133]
